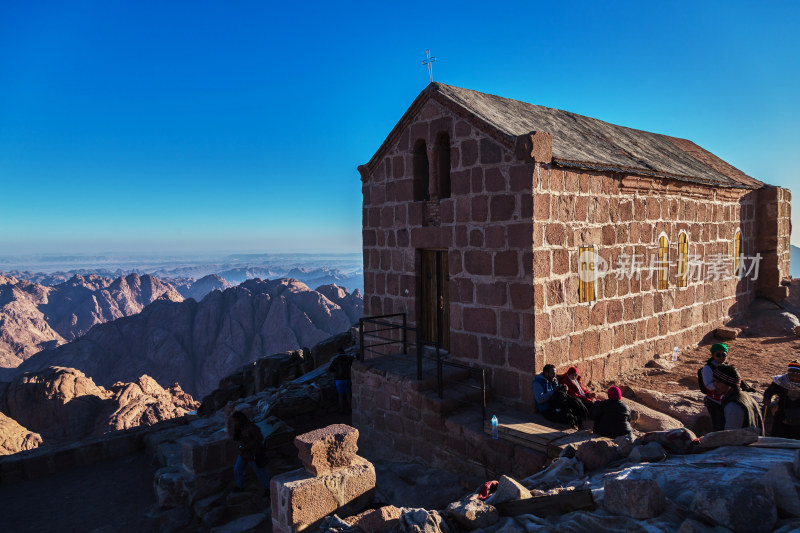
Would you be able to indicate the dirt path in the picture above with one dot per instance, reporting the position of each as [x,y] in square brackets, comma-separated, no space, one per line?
[114,495]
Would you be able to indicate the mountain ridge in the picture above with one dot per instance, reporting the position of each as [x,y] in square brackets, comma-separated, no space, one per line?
[197,343]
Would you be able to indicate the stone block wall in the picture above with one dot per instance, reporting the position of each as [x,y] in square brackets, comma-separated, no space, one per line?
[399,422]
[774,232]
[631,320]
[485,225]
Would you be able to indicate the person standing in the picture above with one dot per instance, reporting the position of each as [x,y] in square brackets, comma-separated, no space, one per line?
[251,451]
[738,408]
[340,368]
[786,420]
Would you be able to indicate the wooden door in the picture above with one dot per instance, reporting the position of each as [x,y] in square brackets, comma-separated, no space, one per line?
[434,298]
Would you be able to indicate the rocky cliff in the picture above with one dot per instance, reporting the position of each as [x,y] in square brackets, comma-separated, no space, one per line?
[34,317]
[62,404]
[196,344]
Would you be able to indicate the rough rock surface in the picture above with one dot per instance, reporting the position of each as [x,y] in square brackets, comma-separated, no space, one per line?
[726,334]
[508,490]
[58,403]
[596,453]
[624,445]
[731,437]
[328,448]
[686,407]
[652,452]
[196,344]
[744,505]
[787,494]
[62,404]
[376,520]
[637,498]
[421,521]
[15,438]
[645,419]
[36,317]
[473,513]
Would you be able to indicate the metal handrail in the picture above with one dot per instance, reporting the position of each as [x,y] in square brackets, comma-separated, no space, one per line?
[420,344]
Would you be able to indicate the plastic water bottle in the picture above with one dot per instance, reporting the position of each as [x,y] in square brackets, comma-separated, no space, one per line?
[675,352]
[494,427]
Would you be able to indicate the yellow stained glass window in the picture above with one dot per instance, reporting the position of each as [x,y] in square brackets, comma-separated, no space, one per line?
[683,259]
[663,262]
[737,251]
[587,272]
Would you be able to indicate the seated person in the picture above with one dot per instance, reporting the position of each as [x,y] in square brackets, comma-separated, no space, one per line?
[553,402]
[739,409]
[786,419]
[575,387]
[612,418]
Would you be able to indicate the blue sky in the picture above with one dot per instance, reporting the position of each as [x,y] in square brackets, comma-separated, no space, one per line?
[206,126]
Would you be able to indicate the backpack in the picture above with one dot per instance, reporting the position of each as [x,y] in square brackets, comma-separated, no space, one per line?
[700,381]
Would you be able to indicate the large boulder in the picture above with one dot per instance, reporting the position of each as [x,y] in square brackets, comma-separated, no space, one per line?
[652,452]
[785,488]
[596,453]
[646,420]
[15,438]
[58,403]
[744,505]
[637,498]
[686,406]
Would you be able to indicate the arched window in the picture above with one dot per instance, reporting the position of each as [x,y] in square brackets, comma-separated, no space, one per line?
[421,173]
[587,273]
[442,159]
[683,259]
[663,262]
[737,251]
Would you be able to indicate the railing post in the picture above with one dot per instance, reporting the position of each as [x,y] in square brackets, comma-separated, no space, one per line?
[483,390]
[360,339]
[405,337]
[420,347]
[439,376]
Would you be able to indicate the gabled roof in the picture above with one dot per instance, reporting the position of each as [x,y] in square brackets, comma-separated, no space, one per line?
[580,141]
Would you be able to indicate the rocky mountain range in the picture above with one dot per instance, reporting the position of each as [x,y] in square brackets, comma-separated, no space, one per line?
[197,343]
[34,317]
[61,404]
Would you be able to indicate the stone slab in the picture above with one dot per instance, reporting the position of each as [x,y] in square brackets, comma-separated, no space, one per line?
[300,501]
[328,448]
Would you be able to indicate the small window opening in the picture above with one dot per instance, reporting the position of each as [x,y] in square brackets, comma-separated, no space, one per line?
[421,174]
[442,158]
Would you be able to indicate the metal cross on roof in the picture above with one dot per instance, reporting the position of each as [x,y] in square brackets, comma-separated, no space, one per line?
[429,62]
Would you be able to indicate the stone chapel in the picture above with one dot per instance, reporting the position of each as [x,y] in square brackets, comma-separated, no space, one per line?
[516,235]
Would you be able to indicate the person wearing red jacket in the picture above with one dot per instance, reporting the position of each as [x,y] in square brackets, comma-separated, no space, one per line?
[575,387]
